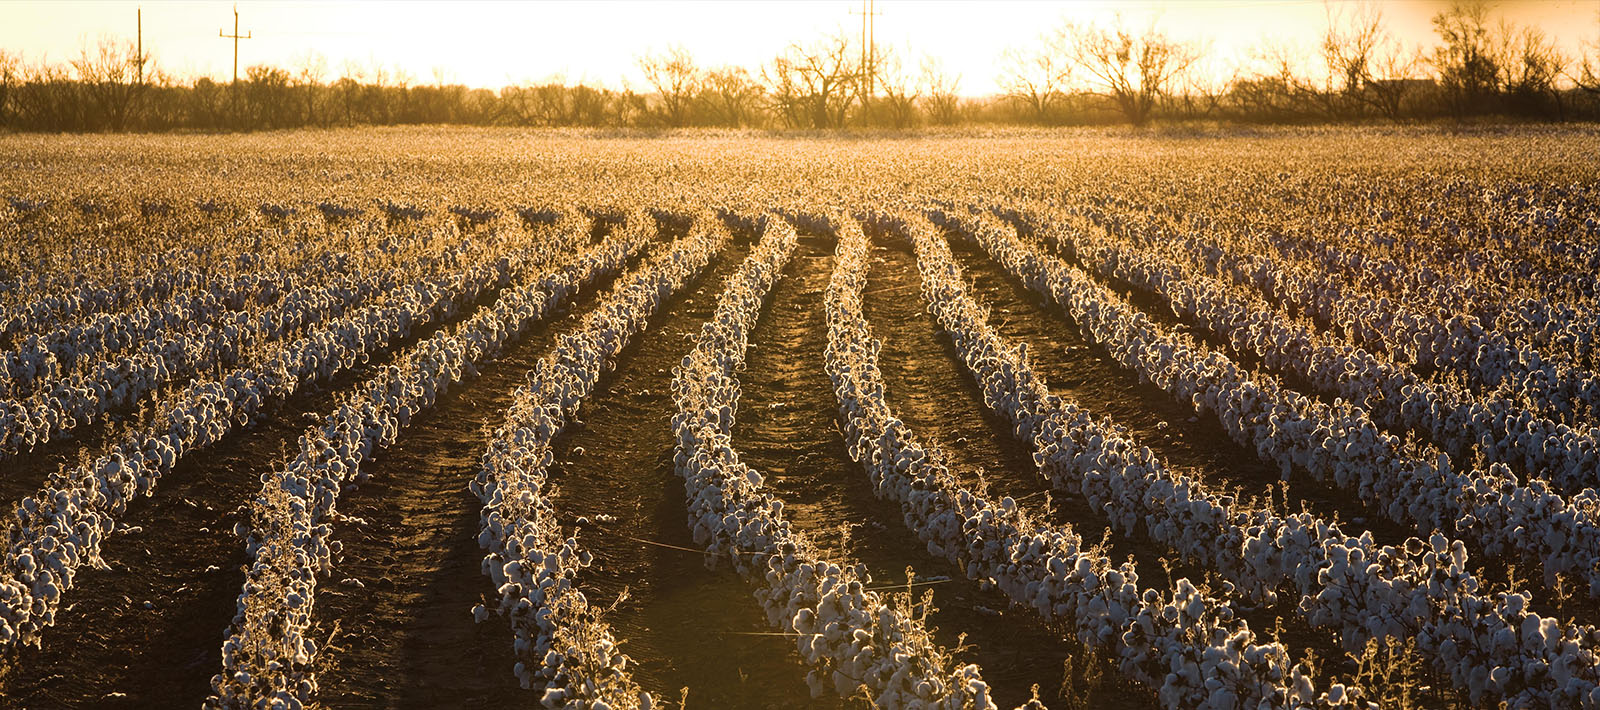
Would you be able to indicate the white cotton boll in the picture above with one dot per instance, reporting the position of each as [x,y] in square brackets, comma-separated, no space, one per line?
[1335,694]
[1500,676]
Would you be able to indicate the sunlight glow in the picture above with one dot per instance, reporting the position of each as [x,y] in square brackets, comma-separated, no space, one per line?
[495,44]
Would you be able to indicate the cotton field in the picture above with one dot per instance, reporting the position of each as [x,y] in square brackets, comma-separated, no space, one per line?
[468,418]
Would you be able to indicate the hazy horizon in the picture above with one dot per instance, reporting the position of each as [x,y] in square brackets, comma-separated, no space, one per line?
[493,45]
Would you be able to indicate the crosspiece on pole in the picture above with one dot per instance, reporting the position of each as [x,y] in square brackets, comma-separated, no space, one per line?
[235,37]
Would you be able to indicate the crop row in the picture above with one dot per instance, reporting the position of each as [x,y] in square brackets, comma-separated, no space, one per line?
[1429,337]
[850,636]
[1186,645]
[266,658]
[561,644]
[1557,327]
[62,527]
[1336,442]
[86,280]
[181,344]
[1456,418]
[132,307]
[1419,590]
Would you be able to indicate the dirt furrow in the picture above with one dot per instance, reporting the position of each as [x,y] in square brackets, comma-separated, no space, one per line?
[1202,445]
[787,429]
[1195,445]
[1187,442]
[930,390]
[148,632]
[684,626]
[397,611]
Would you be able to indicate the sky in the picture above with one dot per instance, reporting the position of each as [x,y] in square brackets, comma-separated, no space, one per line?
[498,43]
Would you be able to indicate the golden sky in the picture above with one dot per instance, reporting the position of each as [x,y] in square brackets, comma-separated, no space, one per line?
[493,44]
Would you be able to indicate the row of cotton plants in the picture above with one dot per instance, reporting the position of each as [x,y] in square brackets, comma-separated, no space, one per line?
[1490,280]
[1456,418]
[1427,336]
[1436,246]
[1525,313]
[93,272]
[1511,294]
[562,647]
[1334,442]
[75,346]
[850,636]
[148,304]
[1461,228]
[62,526]
[85,280]
[1505,424]
[267,658]
[182,344]
[1540,352]
[1422,591]
[42,358]
[1185,645]
[79,290]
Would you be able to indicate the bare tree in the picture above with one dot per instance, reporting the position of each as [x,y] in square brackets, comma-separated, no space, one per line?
[896,106]
[628,108]
[730,96]
[1203,89]
[553,103]
[1349,44]
[1369,69]
[313,68]
[943,99]
[589,106]
[400,77]
[1035,78]
[1132,69]
[111,77]
[1530,64]
[1394,75]
[1587,75]
[520,106]
[348,89]
[676,80]
[1273,91]
[372,100]
[10,77]
[814,85]
[269,96]
[207,104]
[1466,59]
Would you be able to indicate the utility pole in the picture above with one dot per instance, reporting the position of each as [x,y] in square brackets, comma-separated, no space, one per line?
[872,48]
[235,37]
[139,53]
[869,42]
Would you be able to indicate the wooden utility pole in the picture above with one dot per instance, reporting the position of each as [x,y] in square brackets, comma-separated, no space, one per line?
[139,53]
[869,42]
[235,37]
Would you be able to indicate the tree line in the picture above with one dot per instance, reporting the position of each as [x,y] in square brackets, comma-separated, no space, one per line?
[1076,74]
